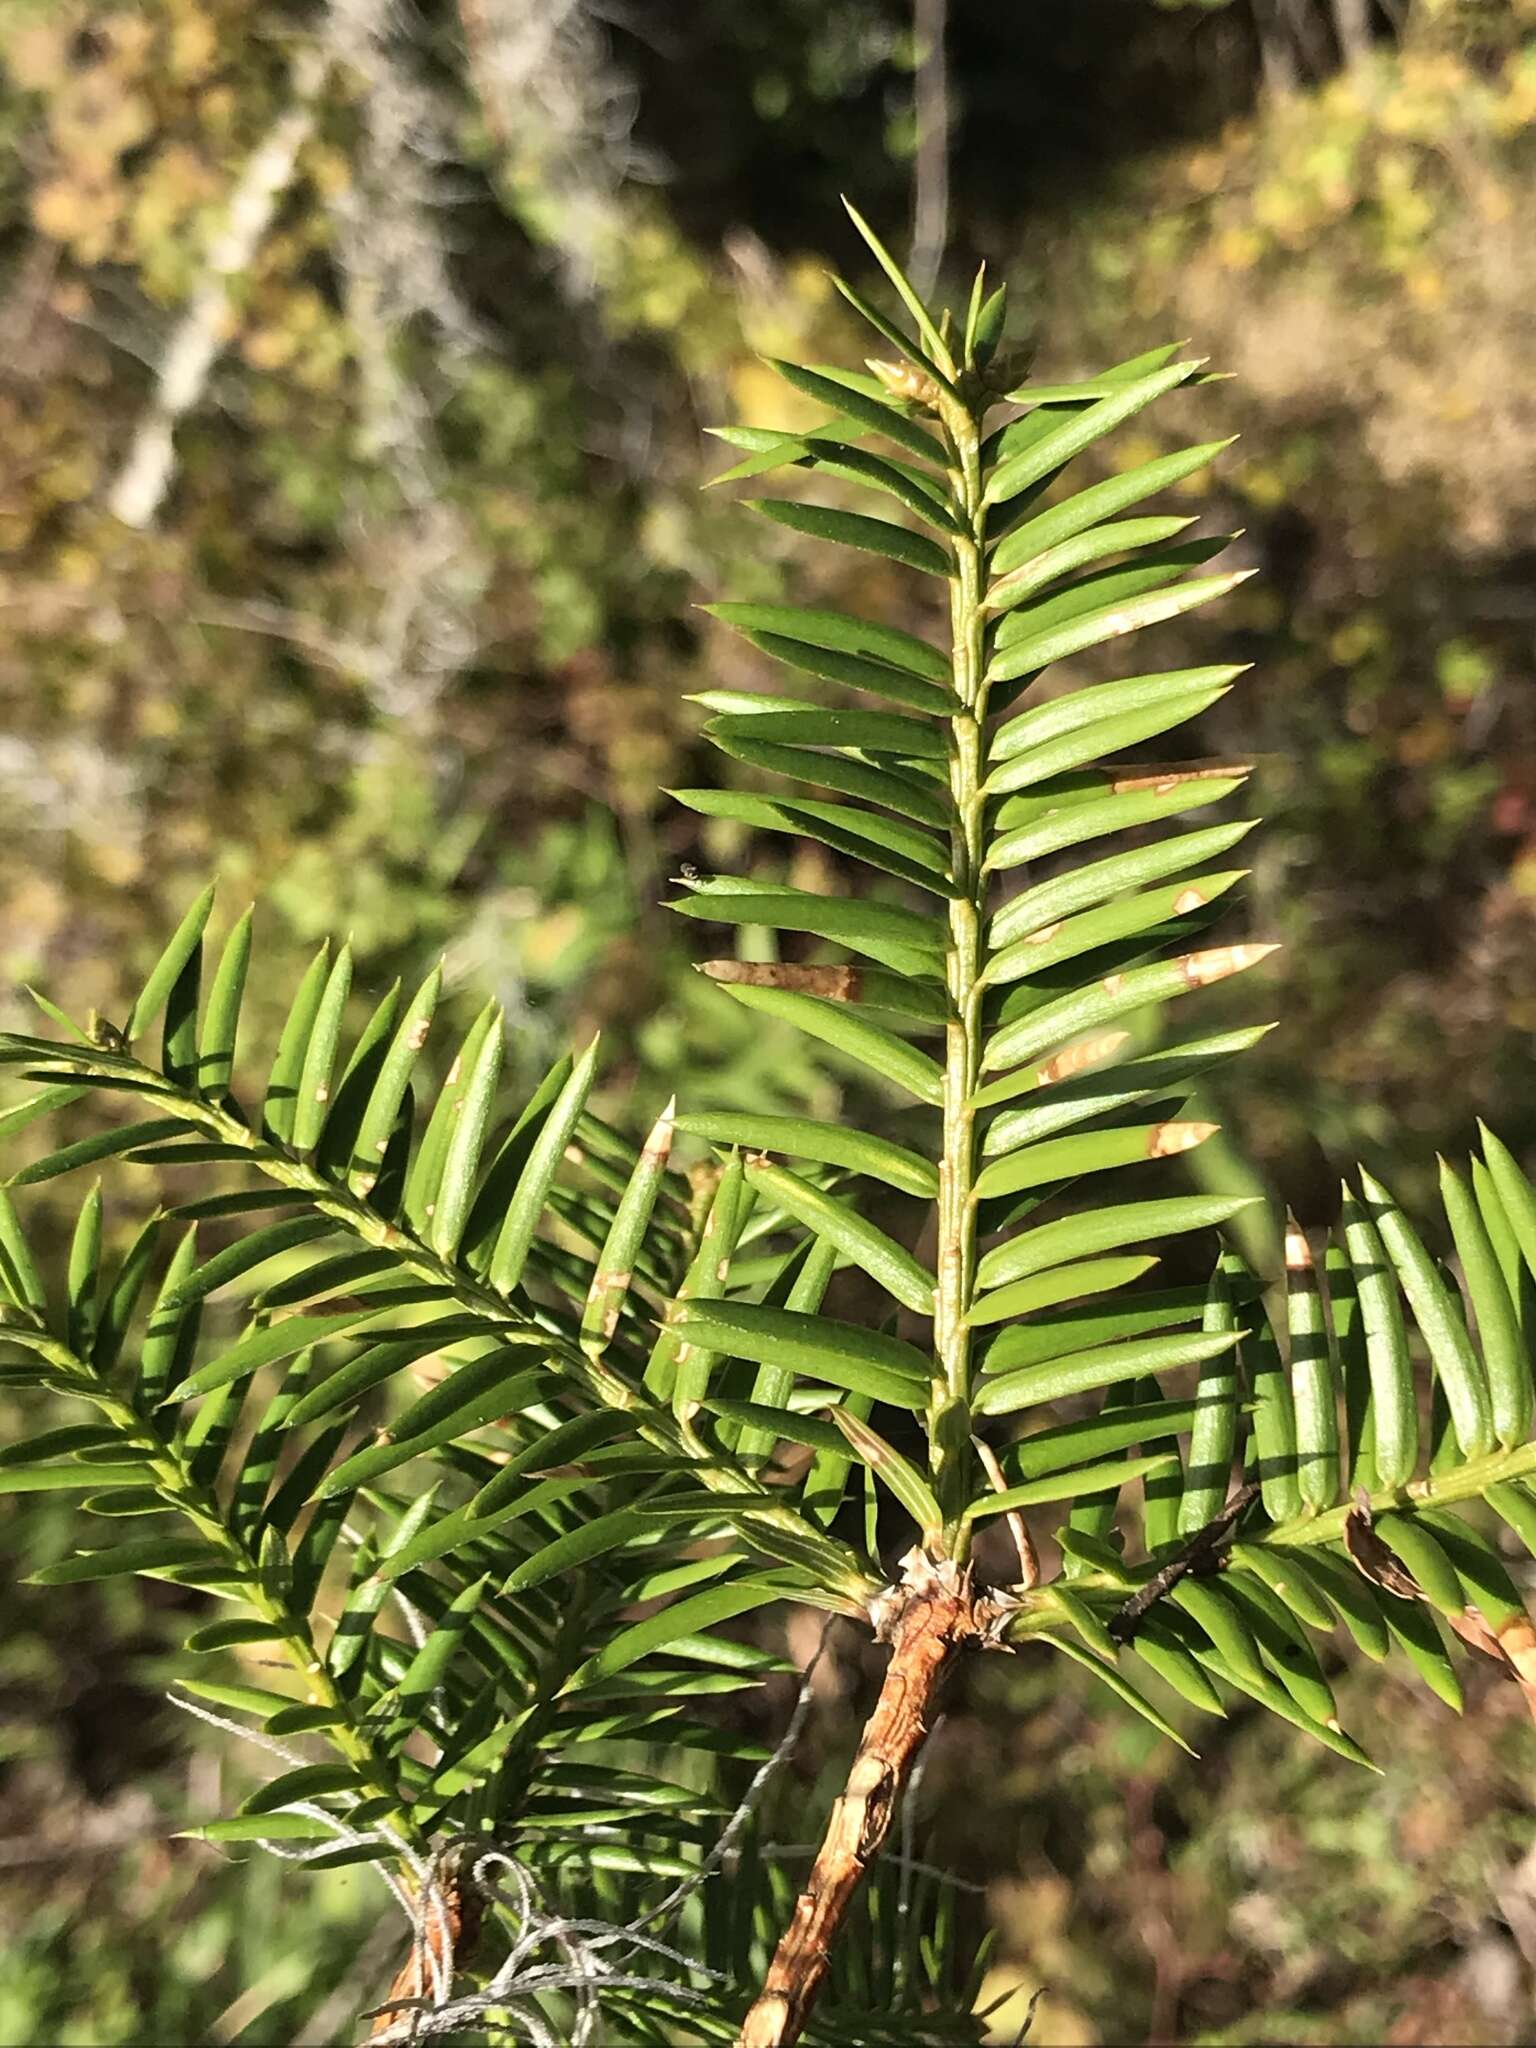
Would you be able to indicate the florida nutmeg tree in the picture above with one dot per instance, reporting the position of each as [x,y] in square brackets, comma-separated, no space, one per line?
[478,1428]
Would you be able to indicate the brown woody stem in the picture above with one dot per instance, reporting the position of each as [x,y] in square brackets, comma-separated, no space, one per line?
[931,1618]
[450,1914]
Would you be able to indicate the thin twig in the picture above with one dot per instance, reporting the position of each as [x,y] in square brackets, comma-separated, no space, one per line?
[1023,1543]
[752,1797]
[269,1743]
[906,1862]
[1198,1555]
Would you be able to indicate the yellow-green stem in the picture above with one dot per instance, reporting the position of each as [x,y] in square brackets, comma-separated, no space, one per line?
[956,1250]
[1443,1489]
[177,1484]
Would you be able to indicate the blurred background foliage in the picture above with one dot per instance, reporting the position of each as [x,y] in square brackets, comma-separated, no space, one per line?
[353,366]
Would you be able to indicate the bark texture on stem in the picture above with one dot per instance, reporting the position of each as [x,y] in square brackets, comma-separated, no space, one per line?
[449,1913]
[928,1620]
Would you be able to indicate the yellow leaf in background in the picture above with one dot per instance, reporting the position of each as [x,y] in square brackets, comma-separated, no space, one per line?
[59,210]
[1133,449]
[1278,207]
[1263,485]
[757,394]
[1517,109]
[77,567]
[37,55]
[118,863]
[330,171]
[93,120]
[82,214]
[74,478]
[268,348]
[546,938]
[809,284]
[1464,670]
[124,40]
[38,907]
[1206,171]
[218,109]
[159,718]
[177,183]
[194,48]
